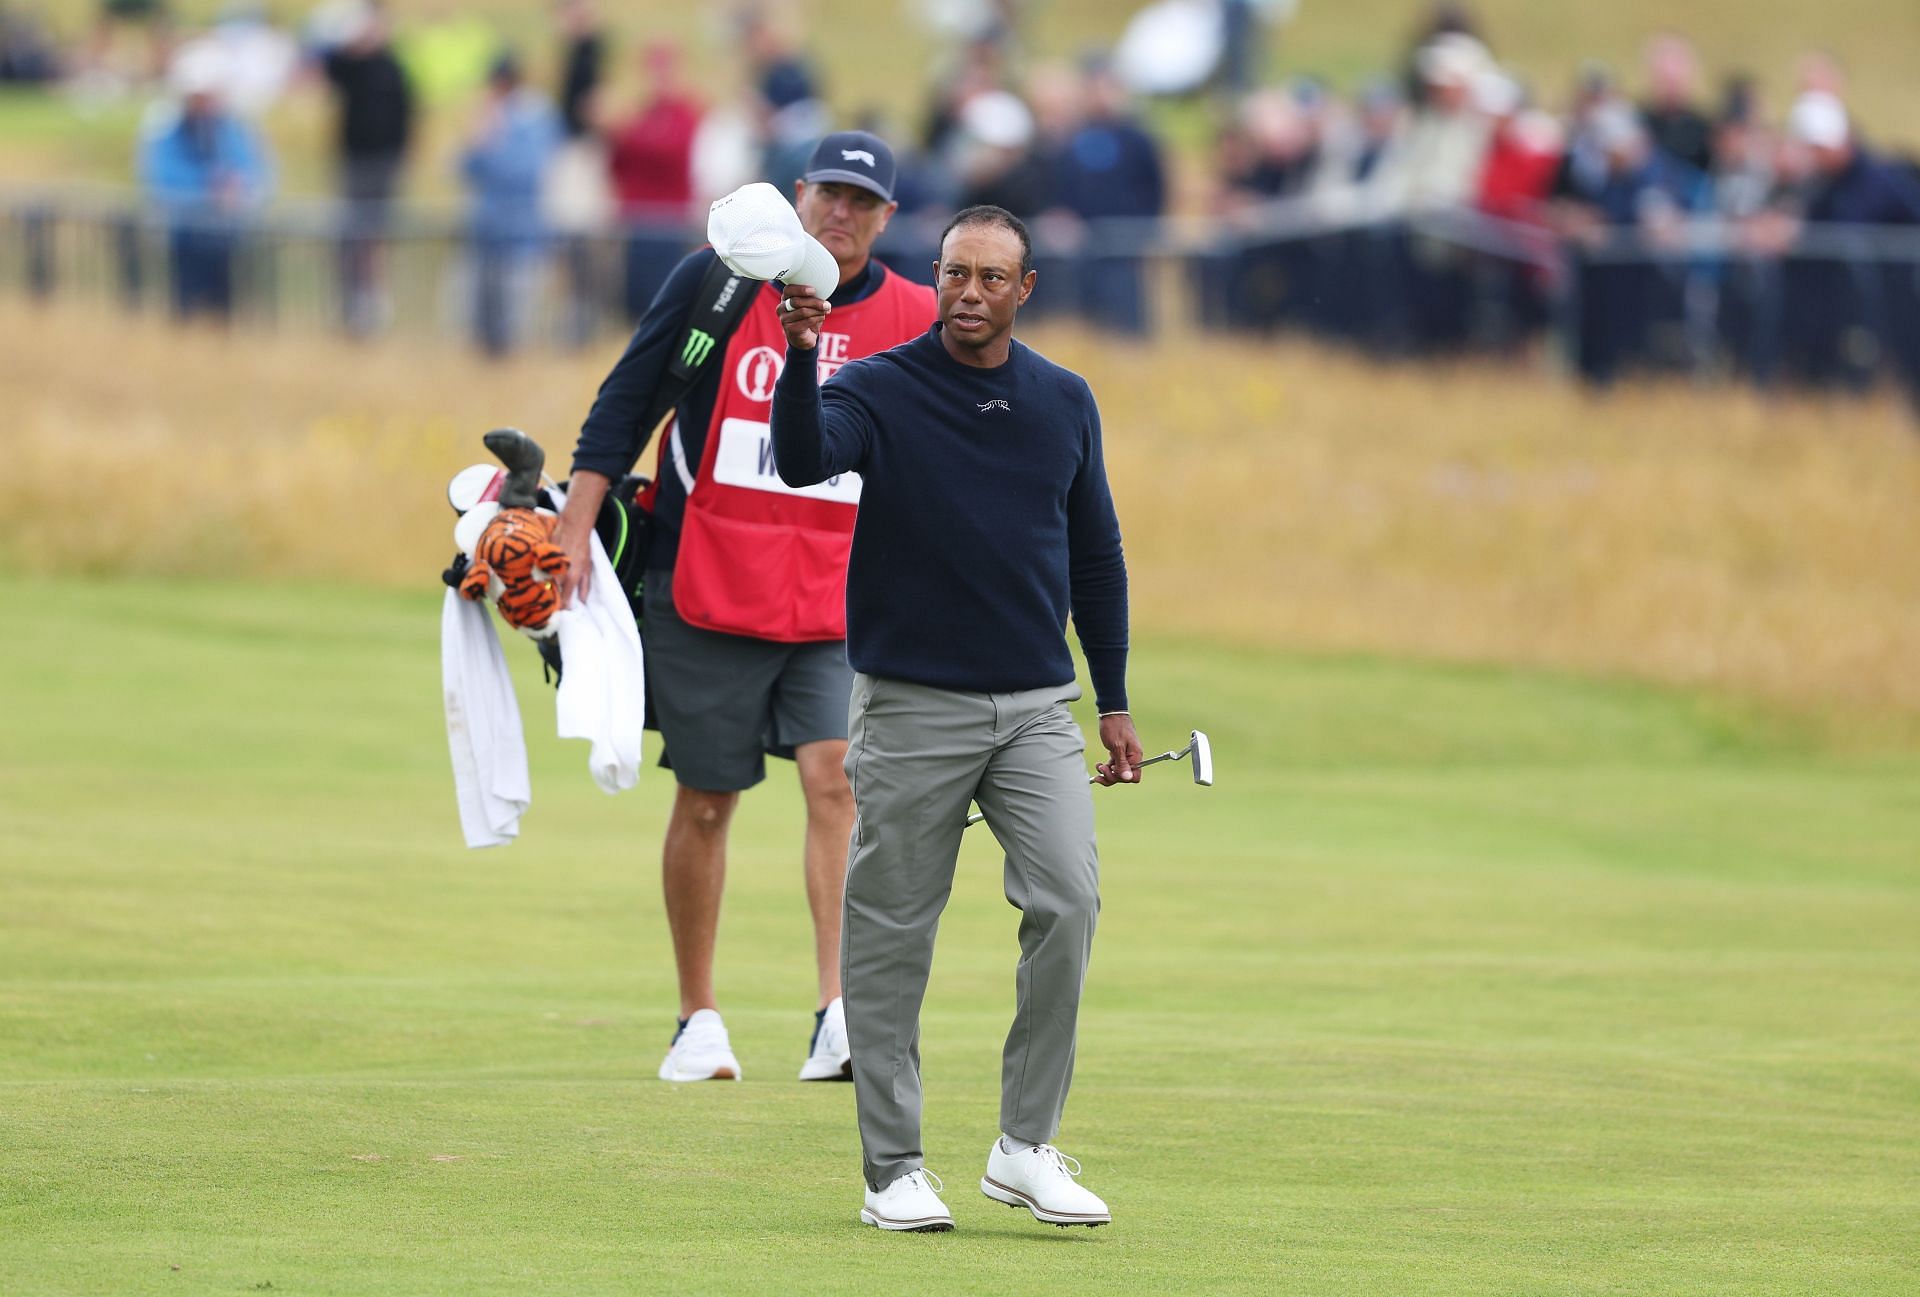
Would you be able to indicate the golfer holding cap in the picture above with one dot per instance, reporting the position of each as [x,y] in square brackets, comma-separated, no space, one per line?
[744,611]
[985,520]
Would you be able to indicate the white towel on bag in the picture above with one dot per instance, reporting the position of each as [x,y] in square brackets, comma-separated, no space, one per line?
[483,725]
[602,694]
[602,699]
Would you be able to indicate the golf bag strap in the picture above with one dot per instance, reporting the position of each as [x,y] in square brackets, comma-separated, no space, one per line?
[718,305]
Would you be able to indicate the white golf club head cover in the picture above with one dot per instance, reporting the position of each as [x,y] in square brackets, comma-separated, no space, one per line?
[758,234]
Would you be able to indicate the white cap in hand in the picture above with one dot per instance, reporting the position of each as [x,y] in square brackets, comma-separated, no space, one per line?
[758,234]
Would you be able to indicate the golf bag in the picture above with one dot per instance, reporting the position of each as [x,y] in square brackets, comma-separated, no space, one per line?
[625,523]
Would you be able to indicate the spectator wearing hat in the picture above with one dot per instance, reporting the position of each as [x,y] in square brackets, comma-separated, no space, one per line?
[1838,327]
[1851,185]
[1436,162]
[207,172]
[513,142]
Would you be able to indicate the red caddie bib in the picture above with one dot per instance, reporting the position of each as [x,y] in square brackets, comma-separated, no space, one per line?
[758,557]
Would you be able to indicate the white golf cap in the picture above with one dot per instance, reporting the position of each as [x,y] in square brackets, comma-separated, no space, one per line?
[1820,120]
[758,234]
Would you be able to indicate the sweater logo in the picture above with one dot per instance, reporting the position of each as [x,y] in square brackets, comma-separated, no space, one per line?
[996,405]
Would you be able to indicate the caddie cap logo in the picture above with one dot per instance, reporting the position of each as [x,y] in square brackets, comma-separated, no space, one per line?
[853,158]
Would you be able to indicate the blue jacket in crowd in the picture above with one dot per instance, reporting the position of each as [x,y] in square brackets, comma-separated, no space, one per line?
[503,172]
[1867,191]
[1623,196]
[1111,168]
[186,163]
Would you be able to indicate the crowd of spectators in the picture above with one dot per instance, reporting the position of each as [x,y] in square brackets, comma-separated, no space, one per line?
[1610,211]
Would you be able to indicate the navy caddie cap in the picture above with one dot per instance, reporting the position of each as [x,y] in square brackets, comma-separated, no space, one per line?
[853,158]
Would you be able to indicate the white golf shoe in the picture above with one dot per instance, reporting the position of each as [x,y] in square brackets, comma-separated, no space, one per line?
[701,1052]
[911,1203]
[1042,1179]
[830,1058]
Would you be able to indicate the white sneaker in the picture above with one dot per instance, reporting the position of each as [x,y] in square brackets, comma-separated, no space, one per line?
[701,1051]
[911,1203]
[830,1059]
[1041,1179]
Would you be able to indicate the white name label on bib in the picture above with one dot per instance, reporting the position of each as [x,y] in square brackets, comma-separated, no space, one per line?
[745,459]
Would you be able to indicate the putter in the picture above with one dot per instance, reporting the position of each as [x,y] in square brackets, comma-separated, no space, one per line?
[1199,751]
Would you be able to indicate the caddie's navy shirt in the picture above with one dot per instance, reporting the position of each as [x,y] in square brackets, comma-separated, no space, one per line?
[984,518]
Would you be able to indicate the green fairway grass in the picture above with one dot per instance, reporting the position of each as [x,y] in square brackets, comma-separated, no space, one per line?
[1460,981]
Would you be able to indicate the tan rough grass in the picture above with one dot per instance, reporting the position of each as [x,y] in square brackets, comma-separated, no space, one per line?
[1271,494]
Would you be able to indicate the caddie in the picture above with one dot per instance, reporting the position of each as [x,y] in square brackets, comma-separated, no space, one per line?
[744,606]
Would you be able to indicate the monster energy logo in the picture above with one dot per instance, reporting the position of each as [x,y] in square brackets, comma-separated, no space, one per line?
[699,346]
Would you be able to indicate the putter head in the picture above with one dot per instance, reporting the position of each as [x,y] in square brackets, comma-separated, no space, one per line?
[1202,754]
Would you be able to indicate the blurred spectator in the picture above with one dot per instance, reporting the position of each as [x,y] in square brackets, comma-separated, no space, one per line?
[1851,185]
[115,17]
[792,115]
[1244,31]
[1278,155]
[980,69]
[375,127]
[207,172]
[582,58]
[1744,172]
[513,142]
[1381,114]
[1445,18]
[996,163]
[1643,191]
[1437,161]
[1523,155]
[1640,186]
[578,202]
[1677,126]
[1111,171]
[651,158]
[447,52]
[28,55]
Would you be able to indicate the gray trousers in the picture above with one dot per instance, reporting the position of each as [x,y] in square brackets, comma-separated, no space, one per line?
[916,755]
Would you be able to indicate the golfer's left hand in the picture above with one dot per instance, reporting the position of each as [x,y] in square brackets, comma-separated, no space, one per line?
[1123,751]
[800,315]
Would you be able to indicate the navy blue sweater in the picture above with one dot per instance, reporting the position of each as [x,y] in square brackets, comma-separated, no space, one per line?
[984,516]
[611,439]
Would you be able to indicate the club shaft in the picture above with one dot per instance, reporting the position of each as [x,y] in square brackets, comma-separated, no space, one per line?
[977,816]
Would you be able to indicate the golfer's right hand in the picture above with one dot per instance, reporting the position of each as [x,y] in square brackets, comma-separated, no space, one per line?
[1124,753]
[574,539]
[800,315]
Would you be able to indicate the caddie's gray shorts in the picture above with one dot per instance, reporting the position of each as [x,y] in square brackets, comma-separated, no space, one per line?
[724,701]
